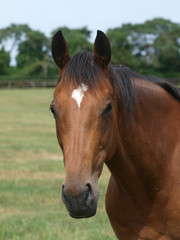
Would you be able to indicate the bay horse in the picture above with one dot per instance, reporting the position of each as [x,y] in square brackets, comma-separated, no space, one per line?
[110,114]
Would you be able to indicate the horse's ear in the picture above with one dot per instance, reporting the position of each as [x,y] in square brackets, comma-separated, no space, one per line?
[102,50]
[60,51]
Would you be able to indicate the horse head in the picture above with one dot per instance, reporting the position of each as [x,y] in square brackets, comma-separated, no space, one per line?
[84,111]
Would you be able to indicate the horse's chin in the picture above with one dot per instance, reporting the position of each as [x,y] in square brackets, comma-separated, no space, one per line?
[82,211]
[82,216]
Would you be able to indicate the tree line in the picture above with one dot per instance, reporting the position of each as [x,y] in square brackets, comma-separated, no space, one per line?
[152,47]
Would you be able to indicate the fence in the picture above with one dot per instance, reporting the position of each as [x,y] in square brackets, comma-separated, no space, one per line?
[27,83]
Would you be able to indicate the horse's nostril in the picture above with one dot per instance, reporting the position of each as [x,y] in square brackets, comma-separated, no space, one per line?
[90,191]
[85,194]
[63,188]
[88,185]
[63,193]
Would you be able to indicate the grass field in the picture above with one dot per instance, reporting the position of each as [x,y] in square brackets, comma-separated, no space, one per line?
[31,174]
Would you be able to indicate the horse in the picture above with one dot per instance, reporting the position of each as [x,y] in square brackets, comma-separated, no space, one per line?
[107,113]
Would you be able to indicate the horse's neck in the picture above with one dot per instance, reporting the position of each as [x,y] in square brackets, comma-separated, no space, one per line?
[145,149]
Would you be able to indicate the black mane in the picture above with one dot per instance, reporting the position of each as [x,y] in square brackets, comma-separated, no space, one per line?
[83,69]
[172,90]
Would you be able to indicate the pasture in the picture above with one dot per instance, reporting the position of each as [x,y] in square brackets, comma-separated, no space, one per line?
[32,171]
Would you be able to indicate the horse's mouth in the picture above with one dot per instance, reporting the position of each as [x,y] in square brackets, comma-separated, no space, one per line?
[80,209]
[82,205]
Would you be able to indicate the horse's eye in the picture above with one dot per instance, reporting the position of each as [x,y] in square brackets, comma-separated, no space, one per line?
[108,109]
[52,110]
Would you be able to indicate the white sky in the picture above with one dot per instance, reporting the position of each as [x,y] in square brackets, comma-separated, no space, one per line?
[47,15]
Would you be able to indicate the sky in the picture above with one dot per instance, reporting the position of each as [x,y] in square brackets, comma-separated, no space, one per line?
[48,15]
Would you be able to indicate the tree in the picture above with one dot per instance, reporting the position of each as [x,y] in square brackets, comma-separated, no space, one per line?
[4,62]
[33,48]
[151,47]
[167,48]
[34,56]
[157,44]
[122,48]
[77,39]
[13,34]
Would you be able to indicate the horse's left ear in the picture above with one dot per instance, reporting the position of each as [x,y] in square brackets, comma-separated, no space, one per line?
[60,51]
[102,50]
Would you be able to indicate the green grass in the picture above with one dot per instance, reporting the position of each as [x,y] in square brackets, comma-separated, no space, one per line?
[31,174]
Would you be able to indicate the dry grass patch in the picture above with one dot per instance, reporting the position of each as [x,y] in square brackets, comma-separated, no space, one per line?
[21,157]
[17,175]
[32,173]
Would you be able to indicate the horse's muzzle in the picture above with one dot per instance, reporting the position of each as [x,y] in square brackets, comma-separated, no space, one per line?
[82,205]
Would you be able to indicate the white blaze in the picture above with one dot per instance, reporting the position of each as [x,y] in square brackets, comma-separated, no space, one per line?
[78,93]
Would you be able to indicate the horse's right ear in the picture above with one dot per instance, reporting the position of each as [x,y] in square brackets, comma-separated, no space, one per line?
[102,50]
[60,51]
